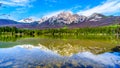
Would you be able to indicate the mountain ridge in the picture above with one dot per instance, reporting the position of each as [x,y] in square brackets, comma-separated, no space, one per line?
[63,19]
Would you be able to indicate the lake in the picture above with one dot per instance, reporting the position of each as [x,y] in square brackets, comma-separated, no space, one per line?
[59,52]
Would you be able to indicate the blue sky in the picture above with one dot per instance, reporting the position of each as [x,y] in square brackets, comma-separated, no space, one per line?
[20,9]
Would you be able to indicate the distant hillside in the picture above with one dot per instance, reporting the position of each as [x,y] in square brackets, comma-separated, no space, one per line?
[7,22]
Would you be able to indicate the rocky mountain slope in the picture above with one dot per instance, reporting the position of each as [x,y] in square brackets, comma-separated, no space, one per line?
[64,19]
[76,21]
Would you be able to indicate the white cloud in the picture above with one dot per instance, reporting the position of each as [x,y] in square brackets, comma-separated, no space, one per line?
[16,2]
[108,7]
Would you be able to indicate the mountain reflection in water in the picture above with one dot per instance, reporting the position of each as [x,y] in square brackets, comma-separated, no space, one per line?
[33,56]
[63,52]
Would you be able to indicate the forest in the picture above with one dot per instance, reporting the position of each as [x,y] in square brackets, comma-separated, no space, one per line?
[106,30]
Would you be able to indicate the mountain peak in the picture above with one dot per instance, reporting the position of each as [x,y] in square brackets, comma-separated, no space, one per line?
[65,13]
[64,18]
[43,19]
[96,17]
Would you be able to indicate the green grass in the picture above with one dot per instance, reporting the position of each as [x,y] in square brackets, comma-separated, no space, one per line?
[113,26]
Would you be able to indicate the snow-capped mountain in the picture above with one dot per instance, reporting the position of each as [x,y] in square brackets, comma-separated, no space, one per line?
[63,19]
[27,20]
[96,17]
[75,20]
[43,19]
[67,18]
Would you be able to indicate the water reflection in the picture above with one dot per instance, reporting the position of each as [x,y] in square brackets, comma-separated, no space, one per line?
[66,51]
[13,38]
[31,56]
[66,47]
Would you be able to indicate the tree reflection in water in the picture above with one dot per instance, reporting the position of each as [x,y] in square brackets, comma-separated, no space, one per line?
[59,51]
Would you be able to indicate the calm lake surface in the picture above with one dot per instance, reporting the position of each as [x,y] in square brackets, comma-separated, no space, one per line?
[59,52]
